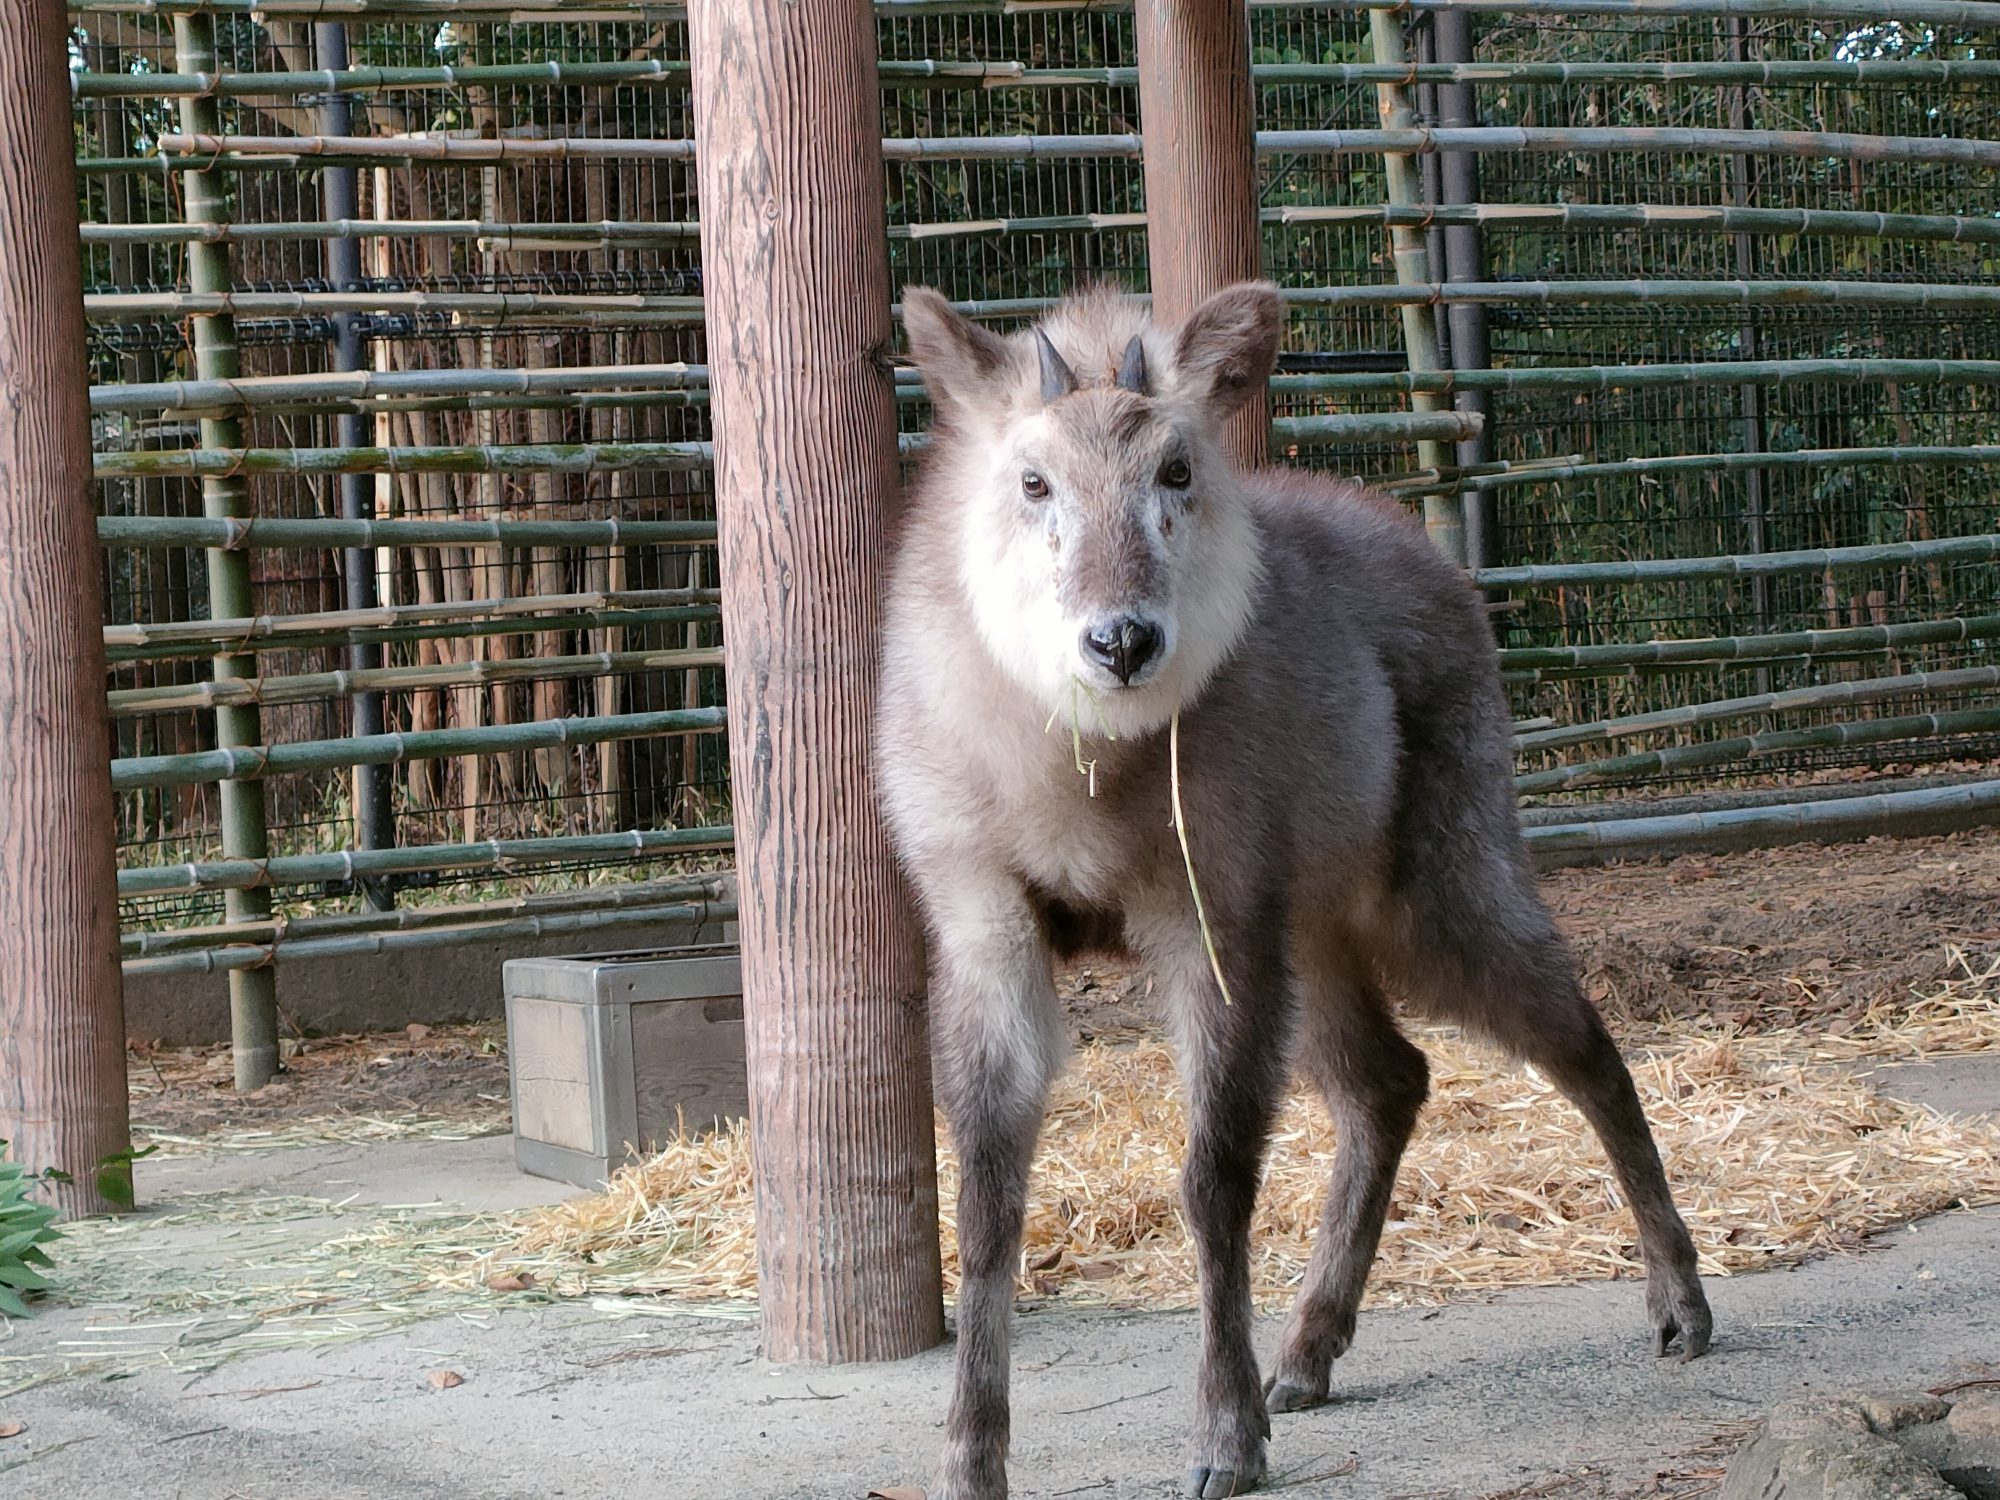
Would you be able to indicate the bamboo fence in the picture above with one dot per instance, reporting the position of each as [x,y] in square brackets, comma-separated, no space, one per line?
[1719,443]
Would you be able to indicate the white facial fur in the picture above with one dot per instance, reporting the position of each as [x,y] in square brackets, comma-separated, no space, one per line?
[1020,559]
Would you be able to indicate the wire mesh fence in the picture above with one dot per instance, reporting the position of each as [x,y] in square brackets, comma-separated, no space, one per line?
[1720,285]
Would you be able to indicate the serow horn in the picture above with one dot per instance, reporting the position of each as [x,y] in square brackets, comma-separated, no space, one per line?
[1132,372]
[1058,379]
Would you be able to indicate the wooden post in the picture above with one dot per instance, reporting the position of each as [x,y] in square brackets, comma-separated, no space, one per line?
[1198,118]
[795,264]
[62,1016]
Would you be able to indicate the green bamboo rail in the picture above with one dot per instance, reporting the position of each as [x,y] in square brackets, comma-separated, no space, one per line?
[314,687]
[1742,565]
[280,931]
[1919,295]
[587,458]
[634,308]
[1725,710]
[249,629]
[1931,809]
[225,504]
[236,534]
[592,619]
[1421,427]
[259,956]
[605,234]
[603,619]
[254,762]
[210,150]
[1605,378]
[1444,514]
[1557,471]
[1754,746]
[1943,12]
[1804,644]
[901,73]
[487,857]
[623,309]
[563,385]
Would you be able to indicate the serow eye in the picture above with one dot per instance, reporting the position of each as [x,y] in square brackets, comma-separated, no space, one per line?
[1175,474]
[1034,486]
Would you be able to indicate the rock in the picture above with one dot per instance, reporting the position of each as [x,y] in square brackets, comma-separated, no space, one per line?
[1817,1416]
[1881,1469]
[1891,1413]
[1870,1446]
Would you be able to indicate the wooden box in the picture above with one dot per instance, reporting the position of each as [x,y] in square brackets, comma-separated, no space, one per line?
[608,1053]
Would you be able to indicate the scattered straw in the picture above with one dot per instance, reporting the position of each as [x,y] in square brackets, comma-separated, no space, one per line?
[1774,1157]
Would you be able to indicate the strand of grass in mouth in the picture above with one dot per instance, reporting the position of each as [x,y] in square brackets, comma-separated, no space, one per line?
[1087,769]
[1187,857]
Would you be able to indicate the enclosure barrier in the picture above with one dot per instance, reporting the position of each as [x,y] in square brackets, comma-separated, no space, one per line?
[526,299]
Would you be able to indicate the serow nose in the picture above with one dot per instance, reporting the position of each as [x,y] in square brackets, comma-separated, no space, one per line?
[1123,646]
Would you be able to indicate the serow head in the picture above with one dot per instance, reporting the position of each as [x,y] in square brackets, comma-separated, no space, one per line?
[1105,543]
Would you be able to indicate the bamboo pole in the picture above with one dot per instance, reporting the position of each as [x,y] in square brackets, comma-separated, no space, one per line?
[491,856]
[1564,470]
[1489,217]
[313,687]
[792,189]
[1804,644]
[248,764]
[232,534]
[282,931]
[1444,514]
[907,73]
[1679,758]
[1416,295]
[1202,234]
[1743,565]
[1791,700]
[208,151]
[237,958]
[474,630]
[1927,809]
[1464,263]
[62,1028]
[373,794]
[225,501]
[267,627]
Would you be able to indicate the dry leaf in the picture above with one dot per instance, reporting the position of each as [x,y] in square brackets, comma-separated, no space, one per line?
[510,1281]
[444,1380]
[11,1429]
[898,1492]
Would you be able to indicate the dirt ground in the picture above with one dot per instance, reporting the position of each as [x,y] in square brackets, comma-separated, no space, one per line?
[1810,936]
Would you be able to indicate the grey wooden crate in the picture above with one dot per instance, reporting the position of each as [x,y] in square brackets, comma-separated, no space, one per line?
[607,1054]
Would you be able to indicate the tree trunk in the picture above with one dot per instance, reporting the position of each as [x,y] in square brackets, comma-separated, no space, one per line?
[796,261]
[62,1021]
[1197,114]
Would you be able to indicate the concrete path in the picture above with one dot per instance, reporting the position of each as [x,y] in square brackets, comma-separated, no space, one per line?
[609,1402]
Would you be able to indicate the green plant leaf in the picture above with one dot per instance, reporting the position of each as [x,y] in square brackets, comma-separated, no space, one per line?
[19,1277]
[12,1306]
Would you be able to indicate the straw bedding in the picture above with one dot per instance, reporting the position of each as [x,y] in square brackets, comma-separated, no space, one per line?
[1777,1148]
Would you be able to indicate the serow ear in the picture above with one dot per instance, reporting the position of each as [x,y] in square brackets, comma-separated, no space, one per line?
[1229,344]
[962,362]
